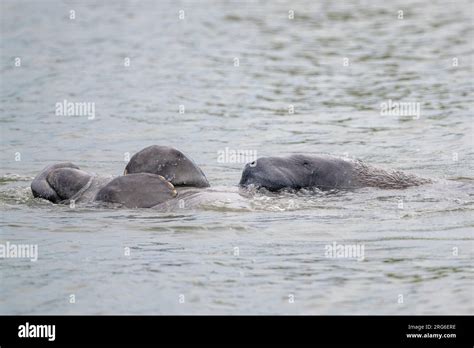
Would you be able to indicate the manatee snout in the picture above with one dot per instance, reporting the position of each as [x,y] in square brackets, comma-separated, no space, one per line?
[249,177]
[263,174]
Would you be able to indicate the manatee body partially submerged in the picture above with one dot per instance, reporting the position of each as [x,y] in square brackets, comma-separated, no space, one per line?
[149,180]
[65,182]
[161,176]
[322,172]
[168,162]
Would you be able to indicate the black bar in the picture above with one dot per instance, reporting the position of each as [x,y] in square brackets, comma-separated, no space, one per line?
[224,330]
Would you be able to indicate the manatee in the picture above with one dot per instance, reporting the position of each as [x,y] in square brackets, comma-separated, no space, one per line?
[149,180]
[322,172]
[64,182]
[161,176]
[170,163]
[58,182]
[142,190]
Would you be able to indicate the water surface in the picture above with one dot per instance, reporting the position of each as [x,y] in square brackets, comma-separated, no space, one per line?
[262,253]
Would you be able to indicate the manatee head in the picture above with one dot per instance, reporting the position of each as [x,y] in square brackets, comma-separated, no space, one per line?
[296,172]
[59,182]
[168,162]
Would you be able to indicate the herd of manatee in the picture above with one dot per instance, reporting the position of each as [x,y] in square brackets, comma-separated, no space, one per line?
[162,174]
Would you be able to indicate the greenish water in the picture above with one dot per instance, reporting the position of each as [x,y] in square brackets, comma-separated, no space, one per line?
[418,242]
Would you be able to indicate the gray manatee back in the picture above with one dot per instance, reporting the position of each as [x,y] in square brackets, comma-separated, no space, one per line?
[141,190]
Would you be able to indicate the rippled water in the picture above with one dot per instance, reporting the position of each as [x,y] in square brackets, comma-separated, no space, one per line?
[257,253]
